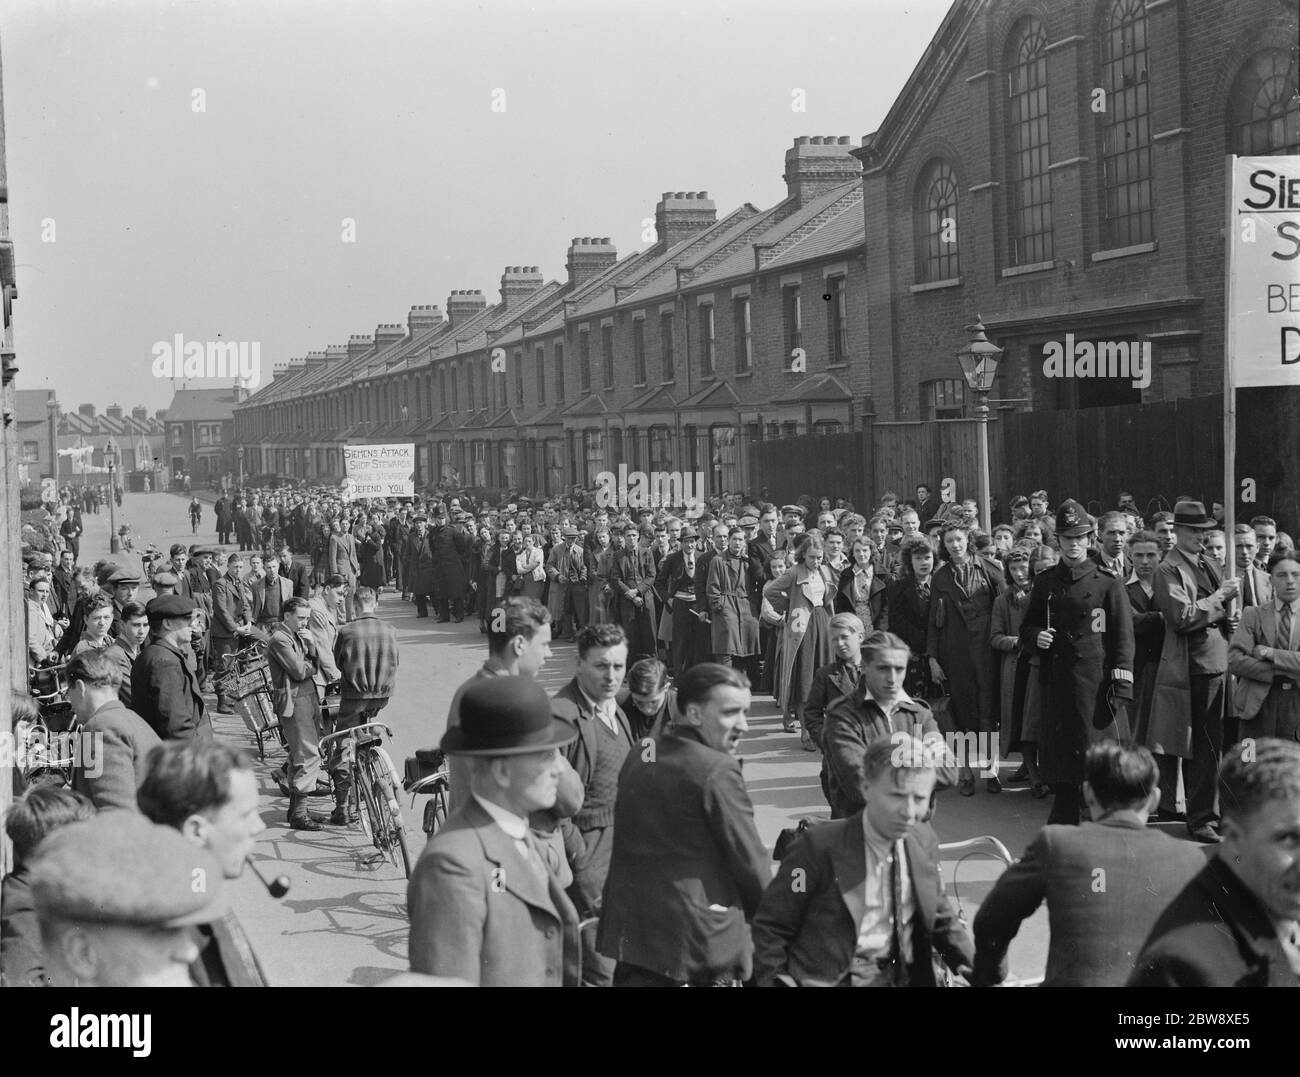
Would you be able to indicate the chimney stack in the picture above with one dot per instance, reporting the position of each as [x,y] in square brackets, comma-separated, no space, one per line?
[423,319]
[589,257]
[389,333]
[315,360]
[140,414]
[816,163]
[335,353]
[463,304]
[518,283]
[88,410]
[114,412]
[241,392]
[359,344]
[681,214]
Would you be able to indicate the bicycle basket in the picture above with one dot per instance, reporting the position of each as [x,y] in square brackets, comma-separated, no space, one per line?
[237,684]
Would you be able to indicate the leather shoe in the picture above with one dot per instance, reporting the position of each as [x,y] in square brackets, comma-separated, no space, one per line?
[966,787]
[993,785]
[1021,774]
[342,817]
[1205,834]
[1040,791]
[1166,815]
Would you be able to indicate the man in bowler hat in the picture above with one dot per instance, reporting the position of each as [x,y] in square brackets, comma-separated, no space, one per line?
[482,904]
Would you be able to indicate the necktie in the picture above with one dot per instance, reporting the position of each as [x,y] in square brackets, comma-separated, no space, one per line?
[1247,592]
[897,971]
[1284,628]
[535,859]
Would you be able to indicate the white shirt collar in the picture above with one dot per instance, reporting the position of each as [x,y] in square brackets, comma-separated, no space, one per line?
[515,826]
[606,707]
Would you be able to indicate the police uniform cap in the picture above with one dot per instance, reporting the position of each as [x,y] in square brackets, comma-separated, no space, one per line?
[794,510]
[120,868]
[1072,520]
[170,606]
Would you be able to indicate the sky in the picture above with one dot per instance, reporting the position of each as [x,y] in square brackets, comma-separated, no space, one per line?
[192,167]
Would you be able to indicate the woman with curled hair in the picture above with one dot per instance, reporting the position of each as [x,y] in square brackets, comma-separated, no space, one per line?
[961,619]
[860,590]
[1008,613]
[804,595]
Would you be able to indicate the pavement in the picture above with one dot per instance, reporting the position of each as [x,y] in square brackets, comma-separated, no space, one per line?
[344,919]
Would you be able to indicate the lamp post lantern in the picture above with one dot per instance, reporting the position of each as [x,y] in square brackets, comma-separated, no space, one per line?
[114,543]
[979,365]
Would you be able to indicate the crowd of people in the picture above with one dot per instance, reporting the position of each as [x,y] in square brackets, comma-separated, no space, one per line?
[609,828]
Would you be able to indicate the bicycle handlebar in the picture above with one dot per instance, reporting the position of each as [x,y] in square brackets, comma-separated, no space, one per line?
[351,731]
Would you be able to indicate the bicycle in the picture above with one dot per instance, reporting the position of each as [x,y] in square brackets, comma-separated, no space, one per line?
[427,775]
[373,789]
[46,745]
[245,680]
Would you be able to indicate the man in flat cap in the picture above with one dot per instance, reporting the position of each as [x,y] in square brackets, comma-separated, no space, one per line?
[118,899]
[164,681]
[483,906]
[123,584]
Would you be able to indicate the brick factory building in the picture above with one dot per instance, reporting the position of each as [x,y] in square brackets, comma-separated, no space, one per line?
[1055,168]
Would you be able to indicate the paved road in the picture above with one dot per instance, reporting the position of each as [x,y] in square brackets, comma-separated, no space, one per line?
[344,919]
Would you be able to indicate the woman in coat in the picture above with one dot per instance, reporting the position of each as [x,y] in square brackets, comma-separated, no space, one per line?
[689,631]
[908,601]
[487,554]
[600,568]
[1019,730]
[861,591]
[370,555]
[961,619]
[805,595]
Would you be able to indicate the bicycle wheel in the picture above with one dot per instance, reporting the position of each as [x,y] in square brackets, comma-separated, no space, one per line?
[368,815]
[372,787]
[387,777]
[435,812]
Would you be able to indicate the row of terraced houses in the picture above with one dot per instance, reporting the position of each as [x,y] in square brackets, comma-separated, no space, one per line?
[1056,167]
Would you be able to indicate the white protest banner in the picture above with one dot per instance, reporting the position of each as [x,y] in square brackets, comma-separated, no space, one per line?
[380,470]
[1263,322]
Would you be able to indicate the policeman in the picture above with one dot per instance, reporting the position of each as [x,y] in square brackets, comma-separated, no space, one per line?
[1080,622]
[118,897]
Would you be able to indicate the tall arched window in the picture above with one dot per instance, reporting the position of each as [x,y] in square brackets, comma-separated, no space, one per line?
[1029,184]
[1127,205]
[935,217]
[1264,109]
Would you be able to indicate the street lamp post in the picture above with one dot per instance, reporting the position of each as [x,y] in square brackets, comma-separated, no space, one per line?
[114,543]
[979,365]
[239,453]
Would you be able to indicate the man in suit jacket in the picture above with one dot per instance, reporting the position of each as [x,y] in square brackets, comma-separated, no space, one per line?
[297,573]
[122,739]
[342,561]
[688,867]
[164,682]
[1188,705]
[1105,881]
[1237,924]
[268,595]
[604,741]
[64,584]
[860,901]
[483,907]
[1264,655]
[633,577]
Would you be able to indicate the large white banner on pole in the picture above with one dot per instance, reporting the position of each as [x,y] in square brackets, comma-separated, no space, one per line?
[379,470]
[1263,318]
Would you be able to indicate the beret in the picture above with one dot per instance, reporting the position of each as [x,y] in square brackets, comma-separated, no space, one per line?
[170,606]
[120,868]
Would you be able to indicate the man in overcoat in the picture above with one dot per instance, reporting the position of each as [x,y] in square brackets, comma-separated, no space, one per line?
[730,584]
[1080,622]
[449,546]
[1187,707]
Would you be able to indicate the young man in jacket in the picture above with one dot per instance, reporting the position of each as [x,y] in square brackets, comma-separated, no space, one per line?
[688,868]
[293,661]
[860,901]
